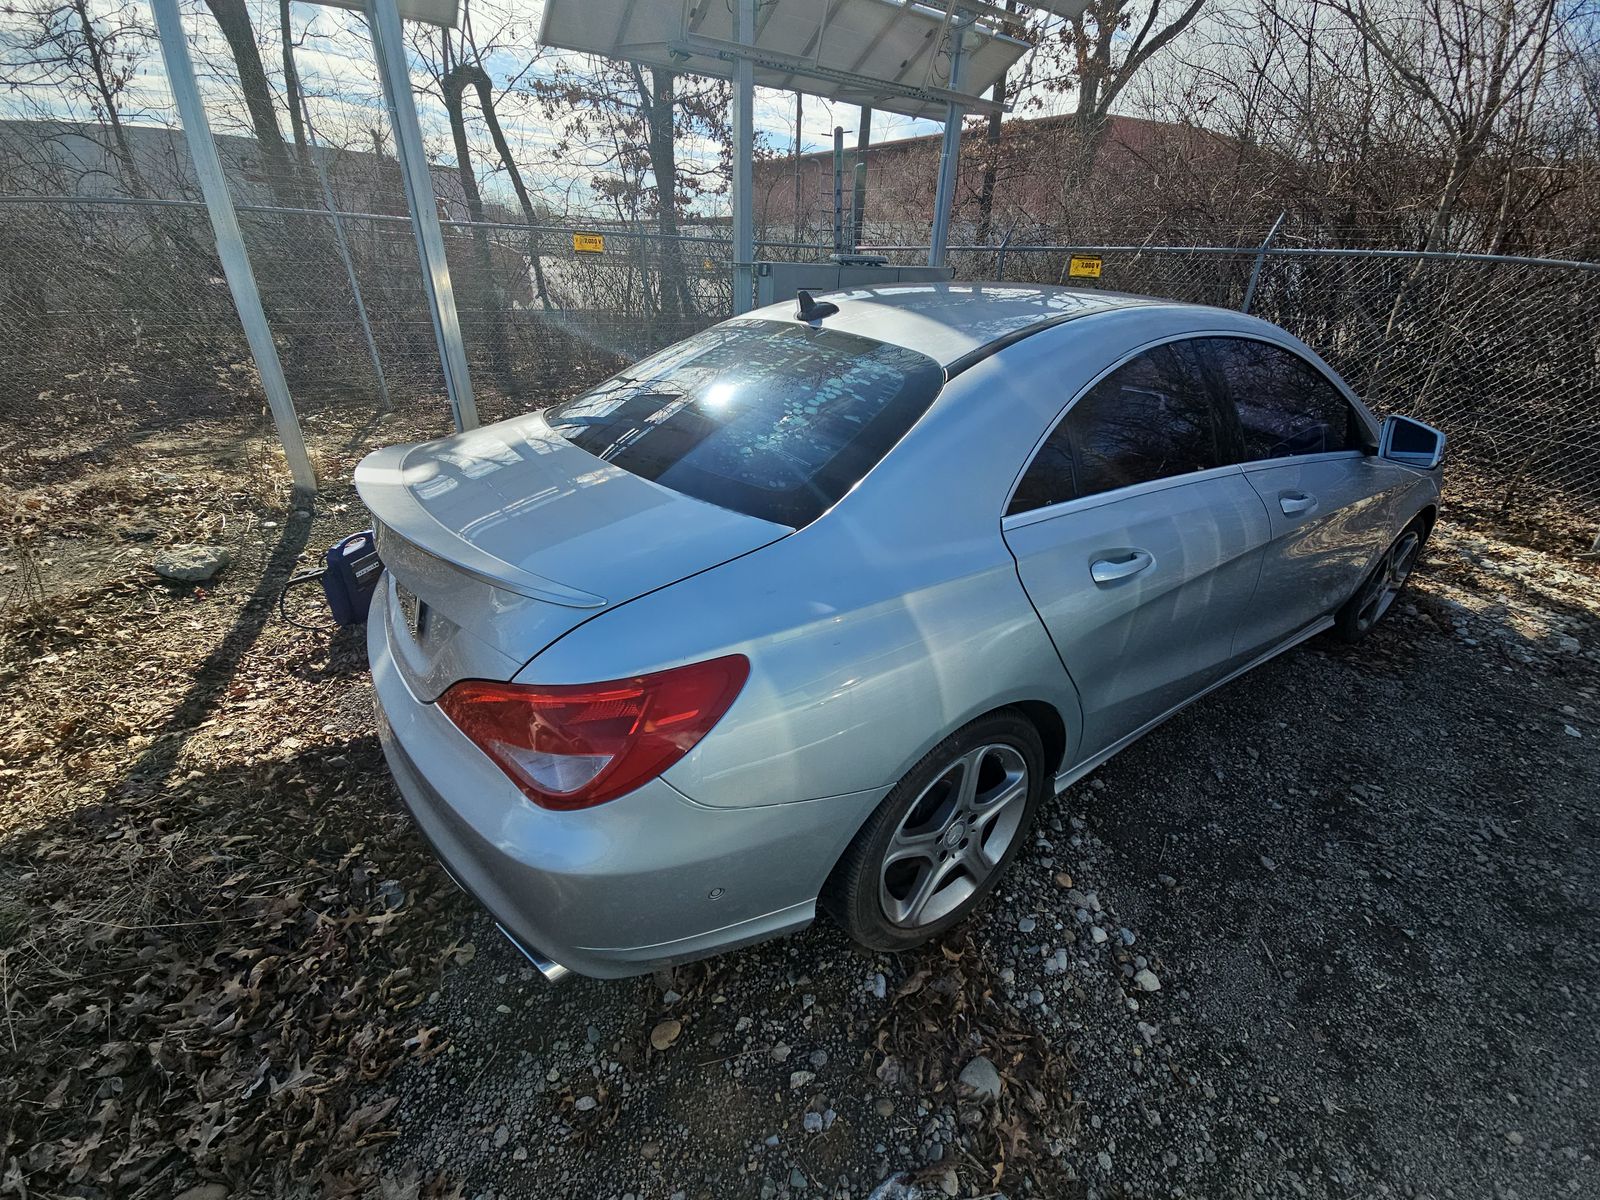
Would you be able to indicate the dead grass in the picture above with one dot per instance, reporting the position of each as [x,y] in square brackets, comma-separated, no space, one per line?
[214,930]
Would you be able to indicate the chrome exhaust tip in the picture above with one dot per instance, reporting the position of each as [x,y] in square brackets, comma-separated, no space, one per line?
[553,971]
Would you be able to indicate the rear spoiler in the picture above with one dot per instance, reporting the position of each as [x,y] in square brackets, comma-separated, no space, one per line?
[380,481]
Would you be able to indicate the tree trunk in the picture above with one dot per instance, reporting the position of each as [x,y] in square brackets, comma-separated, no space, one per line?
[108,101]
[234,21]
[676,300]
[480,80]
[291,82]
[991,163]
[481,285]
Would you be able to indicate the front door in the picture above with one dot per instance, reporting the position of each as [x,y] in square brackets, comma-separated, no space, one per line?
[1306,454]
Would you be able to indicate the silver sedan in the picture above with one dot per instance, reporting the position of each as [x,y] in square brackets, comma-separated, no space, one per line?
[817,607]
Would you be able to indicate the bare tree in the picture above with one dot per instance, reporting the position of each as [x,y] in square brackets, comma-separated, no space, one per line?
[1098,54]
[1469,61]
[63,52]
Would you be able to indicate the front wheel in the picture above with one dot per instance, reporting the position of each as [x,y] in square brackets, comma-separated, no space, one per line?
[940,840]
[1378,592]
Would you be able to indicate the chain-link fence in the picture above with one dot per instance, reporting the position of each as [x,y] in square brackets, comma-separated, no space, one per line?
[114,313]
[1501,353]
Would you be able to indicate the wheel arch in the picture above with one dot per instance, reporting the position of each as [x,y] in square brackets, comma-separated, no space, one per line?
[1044,716]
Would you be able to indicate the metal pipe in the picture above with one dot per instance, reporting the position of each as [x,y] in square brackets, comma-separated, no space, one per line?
[230,241]
[799,141]
[388,45]
[838,190]
[744,31]
[1261,257]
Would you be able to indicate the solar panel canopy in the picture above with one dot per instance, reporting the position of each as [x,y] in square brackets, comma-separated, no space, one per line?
[889,54]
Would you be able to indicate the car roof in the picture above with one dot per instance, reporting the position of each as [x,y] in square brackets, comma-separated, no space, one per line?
[952,323]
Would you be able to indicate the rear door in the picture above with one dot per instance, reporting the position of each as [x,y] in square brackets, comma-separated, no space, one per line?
[1305,452]
[1139,542]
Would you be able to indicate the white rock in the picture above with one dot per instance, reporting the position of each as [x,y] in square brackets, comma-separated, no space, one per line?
[1147,981]
[190,564]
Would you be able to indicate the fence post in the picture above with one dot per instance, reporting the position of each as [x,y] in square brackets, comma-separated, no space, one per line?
[1000,256]
[1261,257]
[230,241]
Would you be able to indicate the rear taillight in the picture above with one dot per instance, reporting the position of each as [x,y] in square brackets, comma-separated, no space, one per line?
[575,745]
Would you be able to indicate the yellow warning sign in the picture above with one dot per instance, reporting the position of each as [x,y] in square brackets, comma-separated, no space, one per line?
[1084,266]
[595,243]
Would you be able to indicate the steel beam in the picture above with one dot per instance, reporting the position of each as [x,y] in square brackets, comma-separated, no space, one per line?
[230,241]
[389,48]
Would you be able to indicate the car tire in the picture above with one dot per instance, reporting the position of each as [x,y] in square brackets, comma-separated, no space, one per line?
[941,839]
[1383,585]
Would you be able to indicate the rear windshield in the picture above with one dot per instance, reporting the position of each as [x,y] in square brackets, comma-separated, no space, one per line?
[774,419]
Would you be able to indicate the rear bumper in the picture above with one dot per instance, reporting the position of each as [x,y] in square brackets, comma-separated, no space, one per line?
[644,881]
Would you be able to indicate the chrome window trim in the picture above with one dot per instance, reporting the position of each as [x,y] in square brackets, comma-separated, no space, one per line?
[1267,464]
[1083,503]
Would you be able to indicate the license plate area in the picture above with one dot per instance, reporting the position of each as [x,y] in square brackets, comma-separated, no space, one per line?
[413,612]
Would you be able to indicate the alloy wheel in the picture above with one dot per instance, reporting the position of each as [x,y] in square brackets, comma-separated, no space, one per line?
[954,835]
[1387,580]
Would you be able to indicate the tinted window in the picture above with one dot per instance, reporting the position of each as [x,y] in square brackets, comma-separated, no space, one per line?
[1151,418]
[774,419]
[1286,406]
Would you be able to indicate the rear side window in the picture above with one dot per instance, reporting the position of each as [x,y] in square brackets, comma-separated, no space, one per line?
[773,419]
[1286,406]
[1151,418]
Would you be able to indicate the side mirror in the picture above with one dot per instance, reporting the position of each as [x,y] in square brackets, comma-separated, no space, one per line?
[1403,440]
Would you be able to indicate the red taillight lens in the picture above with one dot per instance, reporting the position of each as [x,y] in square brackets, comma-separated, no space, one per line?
[575,745]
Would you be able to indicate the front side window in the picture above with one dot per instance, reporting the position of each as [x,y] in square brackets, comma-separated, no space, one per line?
[1151,418]
[773,419]
[1286,406]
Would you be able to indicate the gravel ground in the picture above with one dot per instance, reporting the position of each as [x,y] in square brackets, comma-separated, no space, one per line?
[1363,882]
[1330,932]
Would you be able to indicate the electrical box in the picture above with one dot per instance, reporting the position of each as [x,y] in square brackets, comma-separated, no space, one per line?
[779,281]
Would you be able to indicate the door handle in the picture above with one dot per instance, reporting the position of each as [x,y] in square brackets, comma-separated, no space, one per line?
[1108,570]
[1293,504]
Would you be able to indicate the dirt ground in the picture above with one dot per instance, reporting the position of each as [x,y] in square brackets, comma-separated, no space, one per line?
[1364,879]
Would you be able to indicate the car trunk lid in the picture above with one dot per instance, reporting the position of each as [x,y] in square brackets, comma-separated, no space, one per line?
[500,540]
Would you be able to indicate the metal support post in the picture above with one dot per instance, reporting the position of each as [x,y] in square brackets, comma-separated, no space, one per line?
[389,48]
[230,241]
[1261,258]
[949,154]
[744,88]
[799,116]
[838,190]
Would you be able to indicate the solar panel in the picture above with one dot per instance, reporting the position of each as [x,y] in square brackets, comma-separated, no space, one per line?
[889,54]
